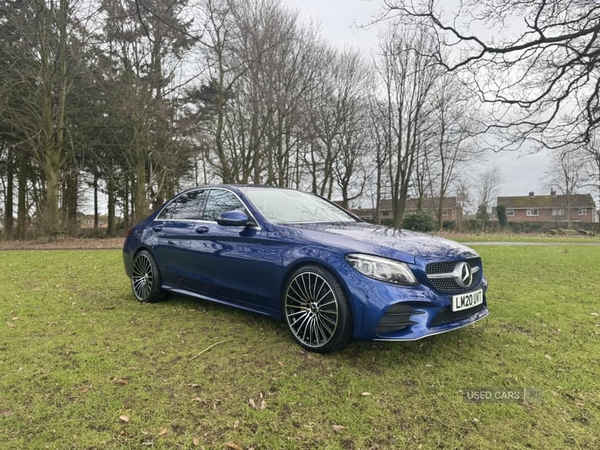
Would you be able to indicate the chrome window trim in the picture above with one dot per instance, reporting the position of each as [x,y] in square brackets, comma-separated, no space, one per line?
[174,200]
[253,227]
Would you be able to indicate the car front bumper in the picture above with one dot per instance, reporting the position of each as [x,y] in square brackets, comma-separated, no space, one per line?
[395,313]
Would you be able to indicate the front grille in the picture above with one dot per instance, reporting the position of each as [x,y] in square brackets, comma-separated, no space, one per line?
[440,267]
[446,285]
[448,266]
[449,284]
[447,316]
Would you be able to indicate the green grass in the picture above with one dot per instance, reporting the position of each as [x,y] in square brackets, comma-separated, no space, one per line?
[77,330]
[516,237]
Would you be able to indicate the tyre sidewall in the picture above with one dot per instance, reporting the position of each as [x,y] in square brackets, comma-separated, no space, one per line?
[343,333]
[156,293]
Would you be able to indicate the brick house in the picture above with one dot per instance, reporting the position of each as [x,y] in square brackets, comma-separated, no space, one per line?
[549,208]
[450,208]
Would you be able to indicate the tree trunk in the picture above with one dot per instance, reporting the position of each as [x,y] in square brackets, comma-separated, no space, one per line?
[110,225]
[22,195]
[54,138]
[141,207]
[70,196]
[126,204]
[8,207]
[96,216]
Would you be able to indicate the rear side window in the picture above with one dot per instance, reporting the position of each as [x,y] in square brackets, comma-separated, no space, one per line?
[189,205]
[167,211]
[220,201]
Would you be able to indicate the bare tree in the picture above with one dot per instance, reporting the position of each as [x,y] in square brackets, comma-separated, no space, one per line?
[565,175]
[488,184]
[337,122]
[591,156]
[536,66]
[452,141]
[407,78]
[462,190]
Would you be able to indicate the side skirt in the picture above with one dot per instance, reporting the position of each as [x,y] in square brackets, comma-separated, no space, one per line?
[179,290]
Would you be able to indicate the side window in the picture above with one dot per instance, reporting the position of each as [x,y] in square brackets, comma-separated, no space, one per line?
[220,201]
[189,205]
[167,211]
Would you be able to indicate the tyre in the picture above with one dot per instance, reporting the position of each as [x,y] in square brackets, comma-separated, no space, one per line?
[145,278]
[317,311]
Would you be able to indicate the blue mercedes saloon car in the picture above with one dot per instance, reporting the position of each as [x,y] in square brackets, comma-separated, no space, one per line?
[298,257]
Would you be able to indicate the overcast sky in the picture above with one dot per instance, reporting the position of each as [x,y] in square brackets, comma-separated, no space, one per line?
[340,22]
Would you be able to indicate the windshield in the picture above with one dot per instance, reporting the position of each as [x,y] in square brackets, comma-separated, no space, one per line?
[289,206]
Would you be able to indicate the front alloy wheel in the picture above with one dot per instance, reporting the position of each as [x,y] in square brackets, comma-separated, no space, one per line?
[317,311]
[145,278]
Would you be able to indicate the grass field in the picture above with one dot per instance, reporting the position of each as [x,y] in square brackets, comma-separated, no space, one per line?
[83,366]
[519,237]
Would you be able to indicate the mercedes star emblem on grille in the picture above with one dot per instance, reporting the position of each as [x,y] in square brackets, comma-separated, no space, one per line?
[463,274]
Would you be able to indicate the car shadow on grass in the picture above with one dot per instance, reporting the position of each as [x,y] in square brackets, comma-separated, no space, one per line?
[454,344]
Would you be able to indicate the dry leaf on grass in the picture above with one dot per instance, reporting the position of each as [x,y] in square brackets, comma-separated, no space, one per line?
[10,324]
[84,389]
[196,441]
[263,405]
[162,432]
[120,381]
[6,412]
[366,394]
[124,418]
[252,404]
[234,446]
[338,428]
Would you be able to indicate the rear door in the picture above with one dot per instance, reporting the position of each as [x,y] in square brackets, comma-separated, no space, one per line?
[172,229]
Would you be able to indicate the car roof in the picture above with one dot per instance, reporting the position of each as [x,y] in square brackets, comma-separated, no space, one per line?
[237,187]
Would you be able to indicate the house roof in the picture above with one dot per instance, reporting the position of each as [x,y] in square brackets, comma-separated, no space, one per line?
[364,212]
[428,203]
[547,201]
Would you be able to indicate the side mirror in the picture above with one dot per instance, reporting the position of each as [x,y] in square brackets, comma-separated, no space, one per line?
[233,219]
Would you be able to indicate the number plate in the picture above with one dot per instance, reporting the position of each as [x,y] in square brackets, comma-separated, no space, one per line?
[466,301]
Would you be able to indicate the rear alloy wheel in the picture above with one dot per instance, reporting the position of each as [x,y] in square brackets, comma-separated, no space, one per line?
[317,310]
[145,278]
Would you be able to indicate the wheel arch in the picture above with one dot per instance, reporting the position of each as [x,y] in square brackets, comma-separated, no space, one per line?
[308,261]
[147,248]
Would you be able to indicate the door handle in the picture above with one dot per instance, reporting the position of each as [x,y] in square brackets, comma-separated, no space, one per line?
[157,228]
[202,230]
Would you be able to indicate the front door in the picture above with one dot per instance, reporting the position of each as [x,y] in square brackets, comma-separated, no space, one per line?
[234,264]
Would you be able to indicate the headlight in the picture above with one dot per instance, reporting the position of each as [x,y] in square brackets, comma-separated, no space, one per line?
[382,269]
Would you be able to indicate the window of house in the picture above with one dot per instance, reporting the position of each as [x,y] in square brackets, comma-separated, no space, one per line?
[532,212]
[583,211]
[510,212]
[386,213]
[558,212]
[446,212]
